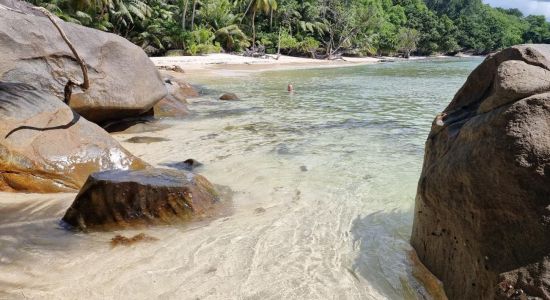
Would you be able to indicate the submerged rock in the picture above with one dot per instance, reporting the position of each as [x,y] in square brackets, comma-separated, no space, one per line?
[482,217]
[47,147]
[122,199]
[187,165]
[120,240]
[146,140]
[123,80]
[229,97]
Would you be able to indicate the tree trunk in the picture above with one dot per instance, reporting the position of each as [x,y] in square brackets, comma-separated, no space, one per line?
[271,20]
[184,15]
[253,30]
[279,44]
[193,15]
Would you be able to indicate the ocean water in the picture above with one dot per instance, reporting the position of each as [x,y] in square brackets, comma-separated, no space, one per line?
[323,182]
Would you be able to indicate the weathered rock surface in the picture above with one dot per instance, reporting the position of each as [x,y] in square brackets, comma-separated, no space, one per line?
[482,215]
[229,97]
[174,105]
[124,82]
[182,89]
[169,107]
[122,199]
[46,147]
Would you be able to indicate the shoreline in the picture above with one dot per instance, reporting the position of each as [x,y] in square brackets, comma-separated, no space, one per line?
[231,65]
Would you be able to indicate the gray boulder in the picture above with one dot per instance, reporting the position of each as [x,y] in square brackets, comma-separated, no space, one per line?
[482,215]
[124,82]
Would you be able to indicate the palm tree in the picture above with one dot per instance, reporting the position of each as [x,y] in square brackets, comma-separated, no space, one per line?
[231,36]
[259,5]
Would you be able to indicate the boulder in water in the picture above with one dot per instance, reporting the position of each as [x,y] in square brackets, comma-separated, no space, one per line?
[47,147]
[169,107]
[181,88]
[124,199]
[187,165]
[123,80]
[482,215]
[174,105]
[229,97]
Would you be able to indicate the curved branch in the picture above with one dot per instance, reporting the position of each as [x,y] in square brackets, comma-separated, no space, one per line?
[86,84]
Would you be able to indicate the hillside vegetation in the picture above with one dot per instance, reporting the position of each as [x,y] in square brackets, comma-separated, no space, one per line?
[317,28]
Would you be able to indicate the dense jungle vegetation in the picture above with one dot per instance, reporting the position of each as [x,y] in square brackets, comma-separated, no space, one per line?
[317,28]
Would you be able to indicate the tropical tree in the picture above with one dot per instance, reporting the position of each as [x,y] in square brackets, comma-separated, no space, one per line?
[408,39]
[232,38]
[351,26]
[255,6]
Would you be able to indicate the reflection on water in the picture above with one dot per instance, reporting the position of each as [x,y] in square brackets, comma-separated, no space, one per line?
[323,180]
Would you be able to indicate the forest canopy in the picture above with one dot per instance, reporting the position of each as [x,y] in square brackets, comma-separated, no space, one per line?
[317,28]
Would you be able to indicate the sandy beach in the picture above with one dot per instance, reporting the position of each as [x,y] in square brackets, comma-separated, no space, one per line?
[234,65]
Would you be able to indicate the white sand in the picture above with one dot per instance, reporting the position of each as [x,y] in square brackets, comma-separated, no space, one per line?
[234,65]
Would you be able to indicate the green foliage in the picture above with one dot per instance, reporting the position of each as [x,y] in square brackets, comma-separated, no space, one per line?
[308,27]
[288,42]
[408,39]
[232,38]
[201,41]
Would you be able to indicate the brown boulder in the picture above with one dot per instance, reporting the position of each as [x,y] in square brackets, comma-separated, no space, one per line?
[174,104]
[124,81]
[180,87]
[170,107]
[482,217]
[46,147]
[123,199]
[229,97]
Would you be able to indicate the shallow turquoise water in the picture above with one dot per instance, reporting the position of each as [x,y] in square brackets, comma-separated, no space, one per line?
[324,181]
[366,123]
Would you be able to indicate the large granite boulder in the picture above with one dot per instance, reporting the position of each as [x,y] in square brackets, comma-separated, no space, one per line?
[124,82]
[124,199]
[482,215]
[47,147]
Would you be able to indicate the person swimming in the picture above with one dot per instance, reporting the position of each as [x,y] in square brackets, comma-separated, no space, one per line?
[290,88]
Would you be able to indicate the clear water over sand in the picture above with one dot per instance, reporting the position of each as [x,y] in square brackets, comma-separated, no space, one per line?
[323,179]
